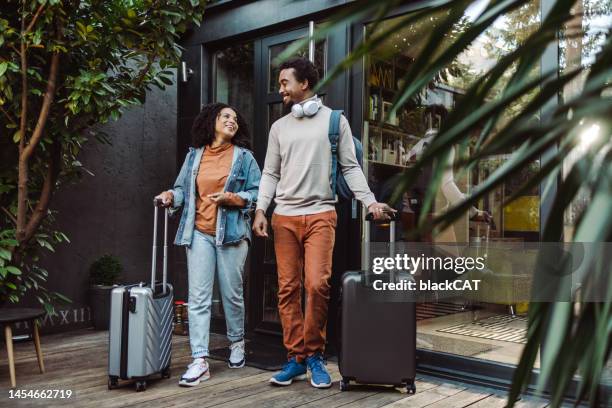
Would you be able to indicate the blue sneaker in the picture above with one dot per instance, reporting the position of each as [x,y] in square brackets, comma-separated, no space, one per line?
[292,370]
[319,377]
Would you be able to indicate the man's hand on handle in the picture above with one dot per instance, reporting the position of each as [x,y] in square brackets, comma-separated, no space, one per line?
[166,198]
[482,216]
[260,224]
[381,211]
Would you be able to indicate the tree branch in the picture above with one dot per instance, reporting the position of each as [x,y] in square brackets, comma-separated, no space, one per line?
[26,151]
[145,69]
[22,184]
[8,116]
[45,108]
[8,214]
[15,49]
[40,9]
[40,212]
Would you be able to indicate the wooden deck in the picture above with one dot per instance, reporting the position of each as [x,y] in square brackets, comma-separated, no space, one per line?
[78,362]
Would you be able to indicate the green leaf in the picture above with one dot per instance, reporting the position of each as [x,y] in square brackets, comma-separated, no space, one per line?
[3,68]
[166,80]
[172,13]
[17,136]
[5,254]
[13,270]
[61,297]
[49,309]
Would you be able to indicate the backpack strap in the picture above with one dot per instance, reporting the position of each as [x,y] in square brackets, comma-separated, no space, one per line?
[334,137]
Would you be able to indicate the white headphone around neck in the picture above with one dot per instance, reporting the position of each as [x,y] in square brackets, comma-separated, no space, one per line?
[308,108]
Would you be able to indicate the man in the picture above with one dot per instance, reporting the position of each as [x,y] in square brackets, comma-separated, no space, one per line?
[297,170]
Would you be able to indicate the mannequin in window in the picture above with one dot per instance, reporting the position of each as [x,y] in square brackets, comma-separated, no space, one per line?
[434,115]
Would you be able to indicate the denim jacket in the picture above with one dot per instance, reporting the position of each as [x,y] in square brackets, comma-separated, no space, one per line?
[233,223]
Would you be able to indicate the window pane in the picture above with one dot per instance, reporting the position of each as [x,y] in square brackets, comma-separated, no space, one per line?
[581,39]
[276,50]
[234,82]
[394,142]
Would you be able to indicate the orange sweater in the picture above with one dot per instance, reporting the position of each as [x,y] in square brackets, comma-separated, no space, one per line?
[214,168]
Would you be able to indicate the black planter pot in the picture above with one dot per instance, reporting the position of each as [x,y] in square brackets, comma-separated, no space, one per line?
[99,302]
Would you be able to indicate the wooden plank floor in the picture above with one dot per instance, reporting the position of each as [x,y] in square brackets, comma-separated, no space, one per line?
[77,361]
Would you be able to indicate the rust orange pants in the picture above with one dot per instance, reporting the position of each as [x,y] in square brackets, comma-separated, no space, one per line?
[304,245]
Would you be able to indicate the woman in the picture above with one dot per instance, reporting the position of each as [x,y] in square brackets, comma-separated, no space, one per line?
[217,186]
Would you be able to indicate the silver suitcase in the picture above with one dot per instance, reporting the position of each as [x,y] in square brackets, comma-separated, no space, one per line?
[140,333]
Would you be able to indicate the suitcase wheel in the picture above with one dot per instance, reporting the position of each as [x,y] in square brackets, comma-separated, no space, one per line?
[344,384]
[166,372]
[112,382]
[141,386]
[411,388]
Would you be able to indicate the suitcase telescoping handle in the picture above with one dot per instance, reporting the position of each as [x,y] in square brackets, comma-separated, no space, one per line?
[366,250]
[156,204]
[480,237]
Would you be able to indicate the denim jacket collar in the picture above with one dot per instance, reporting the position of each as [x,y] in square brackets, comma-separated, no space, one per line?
[243,179]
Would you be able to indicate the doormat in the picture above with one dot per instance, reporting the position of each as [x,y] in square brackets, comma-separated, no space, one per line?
[449,345]
[437,309]
[264,356]
[499,327]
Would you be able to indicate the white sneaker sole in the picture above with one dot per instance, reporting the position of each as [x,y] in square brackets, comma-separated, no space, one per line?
[320,385]
[239,365]
[184,383]
[288,382]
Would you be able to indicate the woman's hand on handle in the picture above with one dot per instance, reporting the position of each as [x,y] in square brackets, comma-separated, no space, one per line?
[166,198]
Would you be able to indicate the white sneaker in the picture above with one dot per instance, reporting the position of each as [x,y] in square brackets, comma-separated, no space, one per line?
[236,359]
[196,372]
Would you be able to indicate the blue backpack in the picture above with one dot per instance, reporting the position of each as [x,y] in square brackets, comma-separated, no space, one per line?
[337,181]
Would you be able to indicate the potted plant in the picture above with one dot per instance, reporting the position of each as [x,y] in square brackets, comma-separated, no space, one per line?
[103,276]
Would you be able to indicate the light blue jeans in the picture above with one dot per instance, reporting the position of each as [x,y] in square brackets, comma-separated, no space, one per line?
[204,258]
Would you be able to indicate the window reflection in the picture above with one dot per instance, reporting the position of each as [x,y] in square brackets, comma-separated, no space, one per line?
[582,37]
[276,50]
[234,82]
[485,327]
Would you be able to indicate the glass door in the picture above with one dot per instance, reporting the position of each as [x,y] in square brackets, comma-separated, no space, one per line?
[263,305]
[490,325]
[233,83]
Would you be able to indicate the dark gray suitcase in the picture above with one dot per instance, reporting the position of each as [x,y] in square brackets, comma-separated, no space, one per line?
[378,329]
[140,332]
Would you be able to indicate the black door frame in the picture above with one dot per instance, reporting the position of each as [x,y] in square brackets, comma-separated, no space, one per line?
[337,96]
[261,128]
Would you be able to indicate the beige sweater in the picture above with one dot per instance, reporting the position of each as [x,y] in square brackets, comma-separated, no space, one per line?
[298,166]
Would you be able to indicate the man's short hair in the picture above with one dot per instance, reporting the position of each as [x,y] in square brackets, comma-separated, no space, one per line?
[304,70]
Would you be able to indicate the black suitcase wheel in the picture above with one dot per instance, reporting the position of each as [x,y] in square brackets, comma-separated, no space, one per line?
[344,384]
[411,388]
[141,386]
[112,382]
[166,372]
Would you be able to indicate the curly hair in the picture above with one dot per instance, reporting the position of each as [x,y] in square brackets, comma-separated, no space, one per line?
[304,70]
[203,129]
